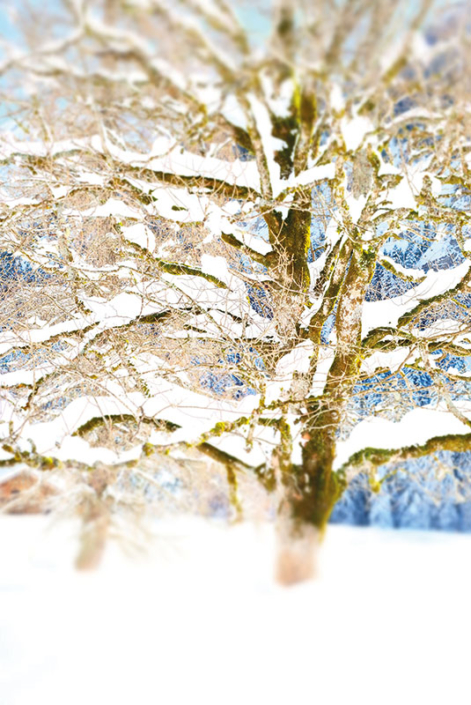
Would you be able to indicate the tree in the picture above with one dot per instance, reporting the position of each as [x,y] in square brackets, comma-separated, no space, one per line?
[251,241]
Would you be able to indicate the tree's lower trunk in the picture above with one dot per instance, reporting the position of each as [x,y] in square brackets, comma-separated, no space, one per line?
[297,548]
[310,492]
[313,488]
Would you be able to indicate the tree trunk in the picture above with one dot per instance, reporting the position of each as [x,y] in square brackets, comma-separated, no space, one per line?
[315,488]
[297,547]
[310,492]
[290,239]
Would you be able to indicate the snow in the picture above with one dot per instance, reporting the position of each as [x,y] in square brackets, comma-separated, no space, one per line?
[75,448]
[170,72]
[295,361]
[313,174]
[325,360]
[418,114]
[216,267]
[422,50]
[171,159]
[298,360]
[120,310]
[9,379]
[199,619]
[59,191]
[333,232]
[237,447]
[5,455]
[10,146]
[271,144]
[195,413]
[280,104]
[416,273]
[252,241]
[178,205]
[401,196]
[391,360]
[388,311]
[355,206]
[274,389]
[90,178]
[388,168]
[390,54]
[415,428]
[181,162]
[39,335]
[112,207]
[211,10]
[442,328]
[232,111]
[354,131]
[141,235]
[56,436]
[10,202]
[214,323]
[337,100]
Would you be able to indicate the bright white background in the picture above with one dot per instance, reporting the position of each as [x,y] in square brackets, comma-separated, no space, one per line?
[201,621]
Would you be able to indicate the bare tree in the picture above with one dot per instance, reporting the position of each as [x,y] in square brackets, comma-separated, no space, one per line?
[249,240]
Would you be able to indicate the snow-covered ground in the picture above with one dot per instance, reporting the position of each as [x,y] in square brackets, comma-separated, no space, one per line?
[199,620]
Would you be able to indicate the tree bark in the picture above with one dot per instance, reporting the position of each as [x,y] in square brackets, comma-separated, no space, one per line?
[290,239]
[313,488]
[309,495]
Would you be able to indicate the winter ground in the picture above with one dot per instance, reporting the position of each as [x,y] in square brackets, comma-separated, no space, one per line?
[199,619]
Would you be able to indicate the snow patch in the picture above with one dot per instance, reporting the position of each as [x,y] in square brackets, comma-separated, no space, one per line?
[387,313]
[415,428]
[354,131]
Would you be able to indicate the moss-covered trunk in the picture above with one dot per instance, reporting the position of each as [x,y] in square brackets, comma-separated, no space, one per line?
[319,486]
[290,239]
[309,495]
[313,488]
[295,239]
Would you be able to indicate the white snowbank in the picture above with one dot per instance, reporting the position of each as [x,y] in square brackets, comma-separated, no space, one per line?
[200,619]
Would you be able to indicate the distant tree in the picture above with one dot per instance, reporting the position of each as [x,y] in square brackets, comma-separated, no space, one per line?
[248,236]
